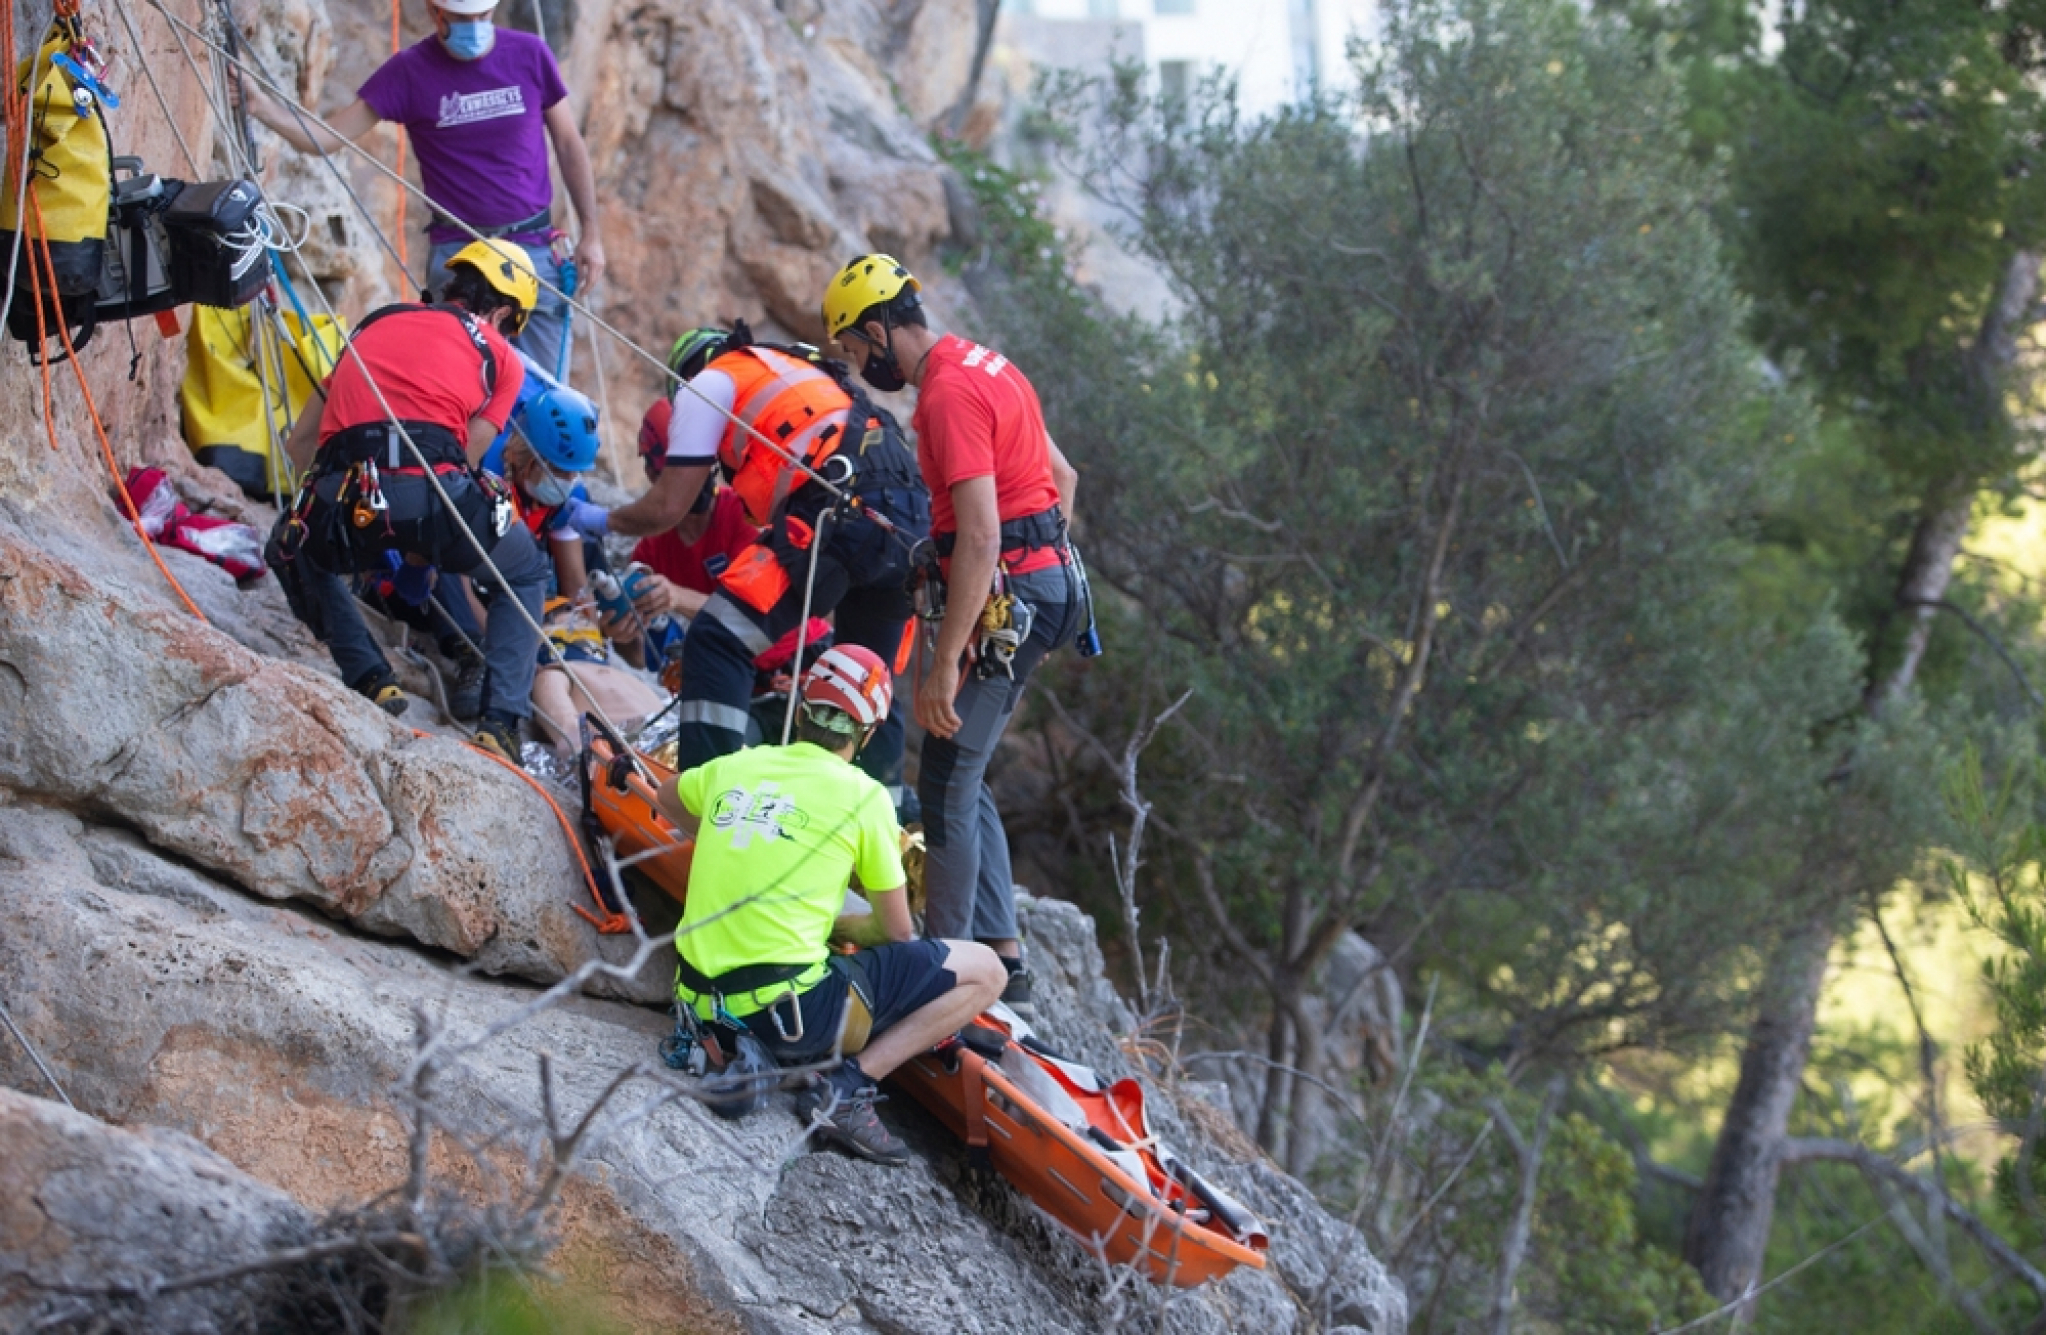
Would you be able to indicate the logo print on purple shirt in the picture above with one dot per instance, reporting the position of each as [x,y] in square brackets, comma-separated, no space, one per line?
[468,108]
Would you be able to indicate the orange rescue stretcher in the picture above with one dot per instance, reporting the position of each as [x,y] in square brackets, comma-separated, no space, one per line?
[619,799]
[1082,1150]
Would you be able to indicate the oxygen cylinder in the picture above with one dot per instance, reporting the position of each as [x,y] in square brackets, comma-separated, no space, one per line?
[610,595]
[637,576]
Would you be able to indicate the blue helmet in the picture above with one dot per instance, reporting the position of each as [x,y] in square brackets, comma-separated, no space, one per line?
[561,426]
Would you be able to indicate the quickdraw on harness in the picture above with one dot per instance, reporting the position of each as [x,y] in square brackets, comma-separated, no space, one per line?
[739,1081]
[282,552]
[1005,622]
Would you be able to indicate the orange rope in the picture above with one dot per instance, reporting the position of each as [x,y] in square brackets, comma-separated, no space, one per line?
[611,924]
[42,241]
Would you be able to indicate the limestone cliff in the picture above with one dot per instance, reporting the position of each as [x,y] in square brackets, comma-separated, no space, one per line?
[230,890]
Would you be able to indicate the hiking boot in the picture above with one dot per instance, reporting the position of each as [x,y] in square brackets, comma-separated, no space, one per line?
[499,735]
[1017,995]
[465,688]
[384,692]
[853,1125]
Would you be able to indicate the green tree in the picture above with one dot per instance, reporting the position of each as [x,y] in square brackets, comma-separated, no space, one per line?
[1438,492]
[1884,203]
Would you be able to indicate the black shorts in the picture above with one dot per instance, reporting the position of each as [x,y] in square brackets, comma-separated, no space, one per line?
[895,980]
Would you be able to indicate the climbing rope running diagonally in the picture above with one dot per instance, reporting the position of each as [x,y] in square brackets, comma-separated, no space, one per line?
[261,76]
[383,403]
[33,1055]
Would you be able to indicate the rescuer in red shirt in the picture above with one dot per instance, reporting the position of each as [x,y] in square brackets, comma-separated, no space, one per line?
[445,373]
[1000,495]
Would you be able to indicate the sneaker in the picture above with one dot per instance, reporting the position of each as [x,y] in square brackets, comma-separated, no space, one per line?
[853,1125]
[499,735]
[384,692]
[1017,996]
[465,689]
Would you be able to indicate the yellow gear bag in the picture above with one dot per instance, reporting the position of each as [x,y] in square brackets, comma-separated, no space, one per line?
[70,176]
[223,398]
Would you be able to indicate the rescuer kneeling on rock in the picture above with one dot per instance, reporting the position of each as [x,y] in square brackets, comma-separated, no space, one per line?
[779,830]
[448,375]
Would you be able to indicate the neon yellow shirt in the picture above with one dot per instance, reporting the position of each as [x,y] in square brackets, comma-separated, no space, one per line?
[784,828]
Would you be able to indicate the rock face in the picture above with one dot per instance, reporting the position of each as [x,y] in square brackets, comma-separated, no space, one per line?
[742,150]
[87,1205]
[277,1040]
[275,777]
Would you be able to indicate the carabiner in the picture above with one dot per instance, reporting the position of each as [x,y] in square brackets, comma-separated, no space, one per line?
[774,1014]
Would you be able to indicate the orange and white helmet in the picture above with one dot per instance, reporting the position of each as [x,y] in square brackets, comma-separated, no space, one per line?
[851,681]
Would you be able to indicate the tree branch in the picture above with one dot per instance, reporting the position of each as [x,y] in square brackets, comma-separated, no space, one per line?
[1529,1151]
[1983,633]
[1802,1150]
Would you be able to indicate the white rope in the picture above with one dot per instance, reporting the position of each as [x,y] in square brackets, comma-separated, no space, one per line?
[34,1056]
[390,415]
[268,332]
[271,395]
[162,102]
[28,127]
[788,717]
[261,77]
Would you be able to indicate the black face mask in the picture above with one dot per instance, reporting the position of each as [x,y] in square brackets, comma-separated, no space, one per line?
[882,371]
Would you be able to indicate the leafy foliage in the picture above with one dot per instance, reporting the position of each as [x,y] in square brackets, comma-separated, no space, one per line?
[1588,1269]
[1437,492]
[2003,885]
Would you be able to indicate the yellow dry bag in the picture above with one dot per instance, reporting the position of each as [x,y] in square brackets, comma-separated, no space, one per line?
[70,177]
[223,399]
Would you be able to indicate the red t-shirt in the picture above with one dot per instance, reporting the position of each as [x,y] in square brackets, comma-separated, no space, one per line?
[728,535]
[976,415]
[430,371]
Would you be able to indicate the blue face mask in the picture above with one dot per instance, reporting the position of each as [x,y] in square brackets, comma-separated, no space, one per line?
[469,39]
[550,490]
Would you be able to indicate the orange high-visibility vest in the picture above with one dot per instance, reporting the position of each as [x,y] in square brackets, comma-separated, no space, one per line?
[792,403]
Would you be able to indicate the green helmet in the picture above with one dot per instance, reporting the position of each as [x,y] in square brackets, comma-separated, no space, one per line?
[695,349]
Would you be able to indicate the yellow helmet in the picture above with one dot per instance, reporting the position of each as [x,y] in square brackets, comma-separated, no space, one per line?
[505,267]
[866,282]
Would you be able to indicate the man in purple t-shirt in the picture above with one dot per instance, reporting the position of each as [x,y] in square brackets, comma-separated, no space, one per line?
[480,104]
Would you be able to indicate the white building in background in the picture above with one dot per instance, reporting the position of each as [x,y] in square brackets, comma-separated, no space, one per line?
[1276,50]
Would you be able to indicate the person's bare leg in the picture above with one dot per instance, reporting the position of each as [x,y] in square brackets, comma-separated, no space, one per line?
[981,979]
